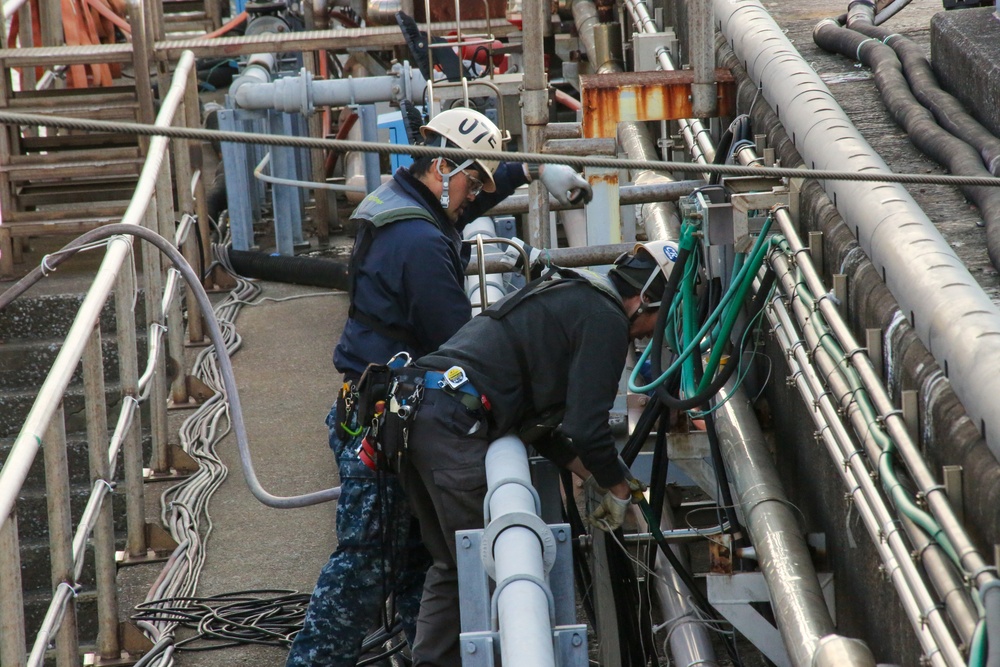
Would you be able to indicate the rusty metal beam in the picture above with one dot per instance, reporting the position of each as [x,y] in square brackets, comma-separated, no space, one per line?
[609,99]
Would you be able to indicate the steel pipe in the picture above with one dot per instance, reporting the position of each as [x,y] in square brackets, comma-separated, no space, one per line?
[102,522]
[894,555]
[925,610]
[935,495]
[22,453]
[802,615]
[651,191]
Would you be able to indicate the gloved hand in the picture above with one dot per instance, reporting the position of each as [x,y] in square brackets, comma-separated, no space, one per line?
[610,514]
[563,183]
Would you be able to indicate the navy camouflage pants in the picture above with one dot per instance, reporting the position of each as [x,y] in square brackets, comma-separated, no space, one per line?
[379,552]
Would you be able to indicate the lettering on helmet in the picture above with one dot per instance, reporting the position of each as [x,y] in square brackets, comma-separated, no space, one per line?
[471,128]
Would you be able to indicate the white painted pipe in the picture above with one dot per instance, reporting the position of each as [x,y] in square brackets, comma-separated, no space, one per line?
[525,622]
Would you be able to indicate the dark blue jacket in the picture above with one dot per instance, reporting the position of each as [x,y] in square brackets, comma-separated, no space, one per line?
[412,275]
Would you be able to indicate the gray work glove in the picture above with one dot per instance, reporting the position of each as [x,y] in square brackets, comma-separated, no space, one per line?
[563,183]
[610,514]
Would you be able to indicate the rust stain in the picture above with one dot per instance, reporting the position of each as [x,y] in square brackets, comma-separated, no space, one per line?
[657,96]
[598,179]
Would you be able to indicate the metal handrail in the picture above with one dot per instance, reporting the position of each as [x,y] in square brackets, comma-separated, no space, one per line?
[44,423]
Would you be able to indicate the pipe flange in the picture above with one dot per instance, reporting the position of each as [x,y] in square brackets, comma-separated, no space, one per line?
[306,92]
[524,520]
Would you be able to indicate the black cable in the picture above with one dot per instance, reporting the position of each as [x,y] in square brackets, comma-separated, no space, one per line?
[635,636]
[571,513]
[643,426]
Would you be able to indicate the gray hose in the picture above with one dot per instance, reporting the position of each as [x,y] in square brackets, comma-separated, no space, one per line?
[948,150]
[948,111]
[990,594]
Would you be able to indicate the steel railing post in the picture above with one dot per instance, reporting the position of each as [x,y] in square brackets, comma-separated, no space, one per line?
[104,528]
[12,638]
[128,378]
[57,496]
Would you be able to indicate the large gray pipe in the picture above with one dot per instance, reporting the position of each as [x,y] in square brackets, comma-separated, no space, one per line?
[949,311]
[802,616]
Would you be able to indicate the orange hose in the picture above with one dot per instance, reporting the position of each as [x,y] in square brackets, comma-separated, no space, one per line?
[106,12]
[233,22]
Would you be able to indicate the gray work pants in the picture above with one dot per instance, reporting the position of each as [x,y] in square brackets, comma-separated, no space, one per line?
[444,475]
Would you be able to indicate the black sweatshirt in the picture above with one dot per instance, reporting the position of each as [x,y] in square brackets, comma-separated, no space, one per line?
[574,340]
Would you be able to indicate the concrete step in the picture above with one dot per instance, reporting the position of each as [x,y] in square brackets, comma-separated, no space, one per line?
[78,458]
[35,561]
[25,364]
[48,317]
[15,405]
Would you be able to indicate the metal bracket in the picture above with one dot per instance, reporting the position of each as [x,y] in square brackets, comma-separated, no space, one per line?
[647,46]
[734,596]
[746,207]
[477,649]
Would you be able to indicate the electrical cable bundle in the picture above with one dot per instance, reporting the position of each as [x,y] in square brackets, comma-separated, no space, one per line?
[184,506]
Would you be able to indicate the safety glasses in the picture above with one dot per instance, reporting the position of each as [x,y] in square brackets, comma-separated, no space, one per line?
[474,184]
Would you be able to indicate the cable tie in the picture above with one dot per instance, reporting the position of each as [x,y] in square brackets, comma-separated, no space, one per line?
[855,351]
[829,295]
[931,489]
[850,456]
[73,588]
[893,413]
[46,269]
[885,40]
[111,488]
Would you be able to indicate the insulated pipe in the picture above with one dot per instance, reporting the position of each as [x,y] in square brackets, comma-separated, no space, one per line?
[660,219]
[801,613]
[525,620]
[950,312]
[302,93]
[921,127]
[949,112]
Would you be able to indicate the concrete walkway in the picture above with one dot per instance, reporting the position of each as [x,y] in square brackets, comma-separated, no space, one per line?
[286,382]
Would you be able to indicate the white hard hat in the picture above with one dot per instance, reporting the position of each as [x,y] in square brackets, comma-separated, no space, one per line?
[470,130]
[664,252]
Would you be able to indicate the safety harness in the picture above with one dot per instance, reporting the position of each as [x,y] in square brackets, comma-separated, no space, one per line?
[556,276]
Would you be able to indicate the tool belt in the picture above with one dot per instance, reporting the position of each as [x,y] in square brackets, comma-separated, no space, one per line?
[387,403]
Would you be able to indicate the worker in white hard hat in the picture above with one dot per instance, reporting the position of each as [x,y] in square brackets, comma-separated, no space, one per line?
[407,293]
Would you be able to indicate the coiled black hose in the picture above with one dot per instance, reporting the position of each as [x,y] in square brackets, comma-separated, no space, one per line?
[949,112]
[945,148]
[313,271]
